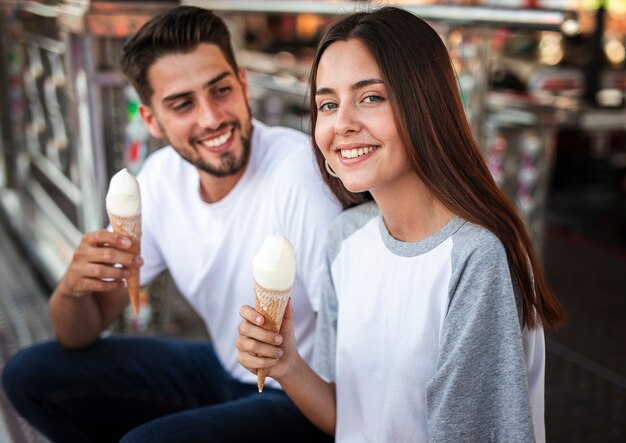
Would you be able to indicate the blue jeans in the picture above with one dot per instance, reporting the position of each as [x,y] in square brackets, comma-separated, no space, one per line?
[146,390]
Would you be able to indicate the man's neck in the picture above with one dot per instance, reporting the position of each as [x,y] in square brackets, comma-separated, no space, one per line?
[213,189]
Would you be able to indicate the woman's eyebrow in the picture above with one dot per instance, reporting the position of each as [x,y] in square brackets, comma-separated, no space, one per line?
[358,85]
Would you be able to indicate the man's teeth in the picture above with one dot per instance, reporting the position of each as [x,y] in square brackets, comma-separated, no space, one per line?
[217,141]
[353,153]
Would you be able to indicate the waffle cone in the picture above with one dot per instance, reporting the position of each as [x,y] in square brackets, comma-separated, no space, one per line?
[271,305]
[131,228]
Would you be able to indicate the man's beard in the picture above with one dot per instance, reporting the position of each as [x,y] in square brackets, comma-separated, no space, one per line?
[229,162]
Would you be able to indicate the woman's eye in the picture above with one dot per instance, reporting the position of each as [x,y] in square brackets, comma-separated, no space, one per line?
[373,99]
[327,106]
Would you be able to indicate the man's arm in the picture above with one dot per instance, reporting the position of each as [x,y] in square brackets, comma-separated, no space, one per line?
[83,304]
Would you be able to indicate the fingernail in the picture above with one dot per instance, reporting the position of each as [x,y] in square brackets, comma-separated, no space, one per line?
[278,339]
[280,353]
[259,319]
[138,261]
[126,242]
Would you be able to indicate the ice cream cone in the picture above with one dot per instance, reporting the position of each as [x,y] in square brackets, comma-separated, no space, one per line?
[271,305]
[131,228]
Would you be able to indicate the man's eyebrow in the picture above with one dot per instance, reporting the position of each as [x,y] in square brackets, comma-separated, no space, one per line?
[217,78]
[358,85]
[211,82]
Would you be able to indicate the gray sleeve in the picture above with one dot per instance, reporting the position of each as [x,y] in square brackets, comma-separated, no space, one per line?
[480,389]
[326,329]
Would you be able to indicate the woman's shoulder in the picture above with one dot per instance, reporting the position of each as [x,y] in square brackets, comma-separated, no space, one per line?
[477,242]
[354,218]
[347,223]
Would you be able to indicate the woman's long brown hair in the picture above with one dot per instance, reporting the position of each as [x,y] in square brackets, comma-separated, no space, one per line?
[431,121]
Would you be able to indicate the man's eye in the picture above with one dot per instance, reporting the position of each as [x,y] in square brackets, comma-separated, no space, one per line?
[181,106]
[221,92]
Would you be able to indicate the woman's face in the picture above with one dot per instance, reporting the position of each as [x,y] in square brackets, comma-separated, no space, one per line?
[355,128]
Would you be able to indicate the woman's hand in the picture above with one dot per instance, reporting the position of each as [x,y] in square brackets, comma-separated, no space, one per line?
[262,349]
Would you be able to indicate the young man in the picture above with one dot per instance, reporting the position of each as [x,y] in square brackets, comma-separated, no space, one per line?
[209,200]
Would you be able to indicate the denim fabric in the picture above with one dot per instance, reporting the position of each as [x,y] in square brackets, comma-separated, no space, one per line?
[146,390]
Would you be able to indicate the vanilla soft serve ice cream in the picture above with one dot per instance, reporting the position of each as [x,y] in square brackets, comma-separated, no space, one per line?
[274,269]
[124,197]
[123,203]
[274,266]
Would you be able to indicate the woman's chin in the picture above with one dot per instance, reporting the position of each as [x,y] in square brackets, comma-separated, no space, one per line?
[353,187]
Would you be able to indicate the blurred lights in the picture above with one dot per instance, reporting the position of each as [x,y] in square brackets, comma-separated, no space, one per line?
[307,25]
[551,48]
[615,51]
[617,6]
[570,27]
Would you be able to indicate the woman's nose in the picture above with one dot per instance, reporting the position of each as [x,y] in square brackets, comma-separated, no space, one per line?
[347,120]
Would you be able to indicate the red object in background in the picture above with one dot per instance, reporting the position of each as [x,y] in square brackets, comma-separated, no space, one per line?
[134,151]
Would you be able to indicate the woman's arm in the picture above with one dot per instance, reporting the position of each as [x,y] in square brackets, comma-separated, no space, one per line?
[480,390]
[262,349]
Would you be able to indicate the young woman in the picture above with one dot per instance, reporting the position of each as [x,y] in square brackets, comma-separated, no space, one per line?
[431,319]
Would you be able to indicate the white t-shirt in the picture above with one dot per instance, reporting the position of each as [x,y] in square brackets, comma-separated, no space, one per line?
[424,339]
[208,248]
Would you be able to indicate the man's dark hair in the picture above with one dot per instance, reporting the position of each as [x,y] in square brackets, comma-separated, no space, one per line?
[178,30]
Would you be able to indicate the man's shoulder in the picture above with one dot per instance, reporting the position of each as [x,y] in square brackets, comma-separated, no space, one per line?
[277,144]
[285,154]
[161,156]
[279,136]
[163,160]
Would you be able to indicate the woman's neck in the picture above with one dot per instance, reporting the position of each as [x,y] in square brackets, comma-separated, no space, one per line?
[412,212]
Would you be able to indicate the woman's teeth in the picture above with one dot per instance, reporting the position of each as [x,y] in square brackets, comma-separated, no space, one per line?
[353,153]
[217,141]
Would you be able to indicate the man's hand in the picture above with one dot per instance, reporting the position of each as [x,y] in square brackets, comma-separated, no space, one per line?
[92,268]
[78,318]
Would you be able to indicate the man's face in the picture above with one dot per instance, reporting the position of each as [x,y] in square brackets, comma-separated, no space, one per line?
[200,106]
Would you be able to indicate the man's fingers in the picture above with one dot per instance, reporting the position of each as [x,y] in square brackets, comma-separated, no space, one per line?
[99,272]
[87,285]
[103,237]
[107,256]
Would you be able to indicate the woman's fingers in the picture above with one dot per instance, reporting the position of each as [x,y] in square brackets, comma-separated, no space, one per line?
[253,361]
[251,327]
[251,346]
[258,348]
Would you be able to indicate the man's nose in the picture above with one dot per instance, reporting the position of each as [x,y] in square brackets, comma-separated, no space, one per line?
[211,115]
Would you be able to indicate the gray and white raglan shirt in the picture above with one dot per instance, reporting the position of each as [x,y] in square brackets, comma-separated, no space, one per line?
[423,340]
